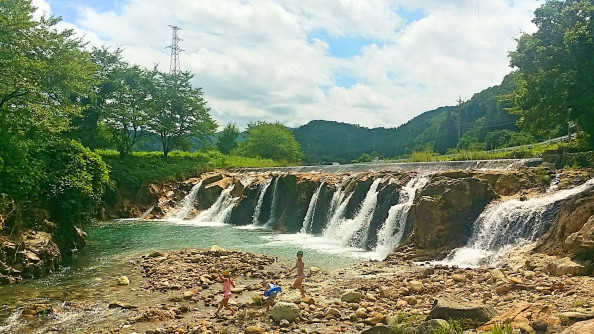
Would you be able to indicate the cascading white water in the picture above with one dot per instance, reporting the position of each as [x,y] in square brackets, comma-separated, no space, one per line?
[258,210]
[220,211]
[188,202]
[390,234]
[311,208]
[353,232]
[507,224]
[146,213]
[273,203]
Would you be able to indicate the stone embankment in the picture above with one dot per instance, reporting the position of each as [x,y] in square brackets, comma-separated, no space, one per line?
[180,293]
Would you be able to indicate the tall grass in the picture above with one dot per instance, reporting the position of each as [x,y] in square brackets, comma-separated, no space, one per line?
[141,168]
[535,151]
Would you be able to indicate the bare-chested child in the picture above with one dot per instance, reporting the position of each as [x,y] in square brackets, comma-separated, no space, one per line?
[227,283]
[300,266]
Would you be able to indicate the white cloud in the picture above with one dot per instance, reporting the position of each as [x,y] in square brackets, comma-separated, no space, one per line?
[254,61]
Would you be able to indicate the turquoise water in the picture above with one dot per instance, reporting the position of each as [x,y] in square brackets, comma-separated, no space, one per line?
[129,236]
[112,244]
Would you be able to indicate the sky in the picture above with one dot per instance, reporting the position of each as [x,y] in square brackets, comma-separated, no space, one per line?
[375,63]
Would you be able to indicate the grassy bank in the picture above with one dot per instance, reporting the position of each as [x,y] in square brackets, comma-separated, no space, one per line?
[534,151]
[146,167]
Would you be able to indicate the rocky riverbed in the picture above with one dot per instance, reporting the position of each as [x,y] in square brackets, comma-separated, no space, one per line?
[178,292]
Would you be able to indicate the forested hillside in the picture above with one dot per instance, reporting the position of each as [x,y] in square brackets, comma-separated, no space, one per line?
[480,123]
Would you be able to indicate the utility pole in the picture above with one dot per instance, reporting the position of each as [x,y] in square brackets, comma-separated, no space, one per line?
[459,117]
[174,66]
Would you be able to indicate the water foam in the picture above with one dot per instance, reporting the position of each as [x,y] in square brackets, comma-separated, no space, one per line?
[258,210]
[273,205]
[507,224]
[220,211]
[353,232]
[311,209]
[392,231]
[188,202]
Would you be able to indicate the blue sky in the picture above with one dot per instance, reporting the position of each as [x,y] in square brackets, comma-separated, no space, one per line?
[373,62]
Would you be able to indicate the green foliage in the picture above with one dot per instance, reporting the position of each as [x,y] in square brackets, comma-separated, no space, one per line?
[75,180]
[226,141]
[402,323]
[42,69]
[364,158]
[270,141]
[424,156]
[555,66]
[505,328]
[140,168]
[44,74]
[453,327]
[179,112]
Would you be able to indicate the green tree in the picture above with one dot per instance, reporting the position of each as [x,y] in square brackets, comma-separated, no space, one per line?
[45,73]
[87,127]
[555,66]
[41,70]
[179,112]
[364,157]
[127,107]
[270,141]
[226,141]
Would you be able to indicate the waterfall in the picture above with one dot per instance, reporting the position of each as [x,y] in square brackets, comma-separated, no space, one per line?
[220,211]
[188,202]
[510,223]
[390,234]
[258,210]
[273,203]
[353,232]
[307,221]
[146,213]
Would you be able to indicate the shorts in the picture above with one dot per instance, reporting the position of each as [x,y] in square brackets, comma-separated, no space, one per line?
[272,297]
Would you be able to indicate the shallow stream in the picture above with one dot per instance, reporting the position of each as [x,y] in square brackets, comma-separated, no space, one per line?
[112,245]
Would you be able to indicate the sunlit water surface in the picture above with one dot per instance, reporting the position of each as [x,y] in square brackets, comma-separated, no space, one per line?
[112,244]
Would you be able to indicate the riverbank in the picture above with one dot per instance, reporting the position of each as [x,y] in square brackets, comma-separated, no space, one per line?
[177,292]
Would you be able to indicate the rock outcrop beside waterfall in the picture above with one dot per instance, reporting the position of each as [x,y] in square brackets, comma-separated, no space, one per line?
[442,217]
[573,231]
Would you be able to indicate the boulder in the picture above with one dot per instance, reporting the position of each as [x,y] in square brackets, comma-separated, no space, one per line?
[216,248]
[583,240]
[124,306]
[571,231]
[523,316]
[581,327]
[415,286]
[33,310]
[443,215]
[287,311]
[577,316]
[448,307]
[351,296]
[507,184]
[497,275]
[123,280]
[377,330]
[432,326]
[565,266]
[254,330]
[459,278]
